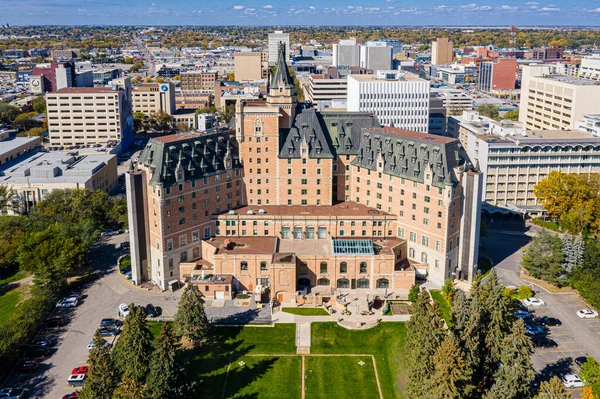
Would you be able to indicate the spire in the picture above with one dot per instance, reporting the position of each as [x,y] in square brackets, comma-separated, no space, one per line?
[281,77]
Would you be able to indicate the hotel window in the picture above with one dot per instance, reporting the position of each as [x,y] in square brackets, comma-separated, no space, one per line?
[363,267]
[343,267]
[244,266]
[411,252]
[285,232]
[423,257]
[323,268]
[450,245]
[322,232]
[425,241]
[169,245]
[438,245]
[413,236]
[400,232]
[264,266]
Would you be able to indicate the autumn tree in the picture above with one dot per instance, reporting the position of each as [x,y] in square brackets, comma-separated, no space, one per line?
[553,389]
[512,115]
[590,373]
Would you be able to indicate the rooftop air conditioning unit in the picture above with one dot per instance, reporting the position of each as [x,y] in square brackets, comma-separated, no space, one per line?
[250,212]
[261,211]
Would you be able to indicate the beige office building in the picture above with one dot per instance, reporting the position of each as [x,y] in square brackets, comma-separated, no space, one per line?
[198,82]
[441,51]
[80,116]
[250,65]
[151,98]
[13,148]
[322,89]
[550,101]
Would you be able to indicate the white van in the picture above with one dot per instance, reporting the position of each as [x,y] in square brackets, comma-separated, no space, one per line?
[76,380]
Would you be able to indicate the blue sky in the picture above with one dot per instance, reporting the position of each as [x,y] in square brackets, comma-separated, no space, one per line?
[307,12]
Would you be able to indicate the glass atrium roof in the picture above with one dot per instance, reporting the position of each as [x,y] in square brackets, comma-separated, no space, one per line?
[353,247]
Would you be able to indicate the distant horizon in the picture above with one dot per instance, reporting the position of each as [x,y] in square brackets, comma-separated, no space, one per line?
[264,13]
[305,26]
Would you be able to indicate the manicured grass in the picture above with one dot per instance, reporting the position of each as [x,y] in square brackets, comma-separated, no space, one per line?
[385,342]
[547,224]
[443,304]
[306,311]
[11,279]
[156,326]
[340,377]
[126,262]
[8,303]
[265,377]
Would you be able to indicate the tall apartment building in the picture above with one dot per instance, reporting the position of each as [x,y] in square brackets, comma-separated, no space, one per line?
[442,52]
[274,40]
[291,200]
[590,67]
[555,101]
[374,56]
[547,53]
[323,89]
[198,81]
[251,65]
[346,53]
[393,43]
[150,98]
[55,76]
[498,75]
[514,160]
[398,99]
[80,116]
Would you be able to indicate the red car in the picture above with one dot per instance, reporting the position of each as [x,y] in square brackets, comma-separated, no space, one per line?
[80,370]
[28,366]
[73,395]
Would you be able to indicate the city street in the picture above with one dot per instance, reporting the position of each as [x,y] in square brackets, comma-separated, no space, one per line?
[575,337]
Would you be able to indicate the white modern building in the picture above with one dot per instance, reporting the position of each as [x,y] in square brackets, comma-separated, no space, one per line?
[275,39]
[590,67]
[323,89]
[453,100]
[397,99]
[346,54]
[374,56]
[590,124]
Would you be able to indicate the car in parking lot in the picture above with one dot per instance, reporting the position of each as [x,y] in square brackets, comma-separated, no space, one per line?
[151,310]
[127,274]
[533,302]
[70,302]
[76,380]
[55,321]
[80,370]
[76,294]
[123,310]
[28,366]
[11,393]
[91,345]
[533,329]
[543,342]
[37,350]
[580,360]
[108,332]
[572,381]
[522,314]
[549,321]
[72,395]
[125,245]
[587,314]
[109,322]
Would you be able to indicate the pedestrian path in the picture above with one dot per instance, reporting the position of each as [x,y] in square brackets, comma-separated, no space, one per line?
[284,317]
[303,338]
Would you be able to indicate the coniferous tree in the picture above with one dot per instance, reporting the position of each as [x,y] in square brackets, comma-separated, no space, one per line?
[553,389]
[515,372]
[473,345]
[191,318]
[101,380]
[129,388]
[425,335]
[460,313]
[164,379]
[452,373]
[132,351]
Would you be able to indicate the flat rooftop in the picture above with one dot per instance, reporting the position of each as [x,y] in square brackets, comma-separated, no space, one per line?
[572,80]
[431,138]
[244,245]
[9,145]
[408,77]
[559,134]
[342,209]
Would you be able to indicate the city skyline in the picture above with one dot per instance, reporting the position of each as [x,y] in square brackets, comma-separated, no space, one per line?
[315,12]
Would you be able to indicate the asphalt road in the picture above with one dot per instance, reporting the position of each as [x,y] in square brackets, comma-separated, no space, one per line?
[576,337]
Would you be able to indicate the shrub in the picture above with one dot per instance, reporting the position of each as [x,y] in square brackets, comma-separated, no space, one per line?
[413,293]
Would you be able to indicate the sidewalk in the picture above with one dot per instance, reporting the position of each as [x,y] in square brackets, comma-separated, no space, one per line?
[284,317]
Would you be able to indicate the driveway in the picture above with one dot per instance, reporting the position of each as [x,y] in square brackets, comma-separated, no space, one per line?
[576,337]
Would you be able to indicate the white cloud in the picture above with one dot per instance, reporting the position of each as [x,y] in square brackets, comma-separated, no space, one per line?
[596,10]
[508,8]
[532,3]
[268,6]
[469,6]
[238,7]
[250,11]
[485,8]
[312,7]
[549,9]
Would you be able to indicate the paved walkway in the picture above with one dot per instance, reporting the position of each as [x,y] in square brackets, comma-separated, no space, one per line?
[303,338]
[284,317]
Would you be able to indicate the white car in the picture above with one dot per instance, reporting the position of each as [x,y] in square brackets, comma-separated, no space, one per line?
[105,345]
[572,381]
[534,302]
[123,310]
[70,302]
[587,314]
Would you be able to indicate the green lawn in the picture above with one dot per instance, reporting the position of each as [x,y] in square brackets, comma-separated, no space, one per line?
[126,262]
[8,303]
[265,377]
[443,304]
[12,278]
[340,377]
[385,342]
[306,311]
[485,265]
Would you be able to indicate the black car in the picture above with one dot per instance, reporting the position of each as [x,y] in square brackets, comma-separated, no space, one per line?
[55,322]
[580,360]
[549,321]
[542,341]
[38,350]
[151,310]
[108,332]
[107,323]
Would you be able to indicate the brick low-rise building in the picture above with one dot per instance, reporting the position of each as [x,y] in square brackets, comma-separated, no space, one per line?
[289,201]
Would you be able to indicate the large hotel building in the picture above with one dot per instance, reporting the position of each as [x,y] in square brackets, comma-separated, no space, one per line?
[288,200]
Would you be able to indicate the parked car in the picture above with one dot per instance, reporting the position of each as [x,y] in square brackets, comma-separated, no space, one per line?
[38,350]
[105,345]
[72,395]
[522,314]
[125,245]
[151,310]
[127,275]
[108,332]
[11,393]
[549,321]
[587,314]
[543,342]
[55,322]
[580,360]
[534,302]
[76,380]
[107,233]
[123,310]
[67,303]
[533,329]
[28,366]
[76,294]
[110,323]
[572,381]
[80,370]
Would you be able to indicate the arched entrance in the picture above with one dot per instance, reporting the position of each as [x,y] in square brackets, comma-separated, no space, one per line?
[383,283]
[362,283]
[343,283]
[323,281]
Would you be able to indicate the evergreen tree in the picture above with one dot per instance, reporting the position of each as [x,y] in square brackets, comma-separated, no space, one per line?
[553,389]
[129,388]
[101,380]
[452,373]
[515,374]
[191,318]
[473,345]
[164,380]
[460,313]
[425,335]
[573,248]
[132,351]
